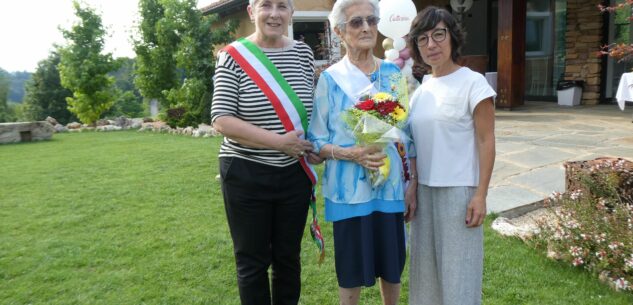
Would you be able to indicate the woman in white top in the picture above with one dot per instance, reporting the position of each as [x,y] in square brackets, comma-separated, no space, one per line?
[452,125]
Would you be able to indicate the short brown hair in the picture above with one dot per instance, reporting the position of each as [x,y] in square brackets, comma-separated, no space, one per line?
[426,20]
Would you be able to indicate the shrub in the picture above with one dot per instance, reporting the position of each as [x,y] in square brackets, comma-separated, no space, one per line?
[180,116]
[592,226]
[127,104]
[174,115]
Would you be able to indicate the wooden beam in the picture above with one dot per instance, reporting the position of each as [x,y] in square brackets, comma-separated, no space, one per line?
[511,54]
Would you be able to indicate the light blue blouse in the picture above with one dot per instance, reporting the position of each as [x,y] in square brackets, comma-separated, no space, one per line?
[345,184]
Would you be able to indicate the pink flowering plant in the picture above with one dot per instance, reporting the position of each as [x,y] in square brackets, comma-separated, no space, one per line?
[621,51]
[592,227]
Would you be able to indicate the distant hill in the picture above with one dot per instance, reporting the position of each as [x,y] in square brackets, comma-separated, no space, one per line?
[18,81]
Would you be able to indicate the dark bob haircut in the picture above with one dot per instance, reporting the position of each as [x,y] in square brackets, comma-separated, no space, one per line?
[426,20]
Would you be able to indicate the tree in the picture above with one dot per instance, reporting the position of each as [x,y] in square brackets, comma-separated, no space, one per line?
[177,43]
[45,95]
[155,62]
[5,82]
[84,69]
[18,80]
[129,102]
[195,58]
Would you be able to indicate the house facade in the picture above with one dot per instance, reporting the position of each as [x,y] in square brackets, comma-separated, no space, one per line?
[530,44]
[309,23]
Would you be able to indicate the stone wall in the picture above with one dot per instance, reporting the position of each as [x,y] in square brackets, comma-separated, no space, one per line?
[583,40]
[25,132]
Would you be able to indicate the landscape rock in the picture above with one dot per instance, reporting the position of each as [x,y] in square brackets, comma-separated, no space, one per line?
[203,130]
[524,226]
[51,121]
[25,131]
[136,123]
[207,129]
[108,128]
[122,121]
[73,125]
[59,128]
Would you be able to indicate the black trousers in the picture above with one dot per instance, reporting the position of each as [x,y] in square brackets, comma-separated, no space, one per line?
[266,208]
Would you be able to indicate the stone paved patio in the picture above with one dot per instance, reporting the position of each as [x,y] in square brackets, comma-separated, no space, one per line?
[535,140]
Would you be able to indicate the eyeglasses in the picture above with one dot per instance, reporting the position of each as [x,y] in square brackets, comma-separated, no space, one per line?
[438,36]
[358,22]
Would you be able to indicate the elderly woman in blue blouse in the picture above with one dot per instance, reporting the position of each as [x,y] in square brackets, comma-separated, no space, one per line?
[368,222]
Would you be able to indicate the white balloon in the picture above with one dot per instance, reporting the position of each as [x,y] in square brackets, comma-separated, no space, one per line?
[396,17]
[409,62]
[399,44]
[391,55]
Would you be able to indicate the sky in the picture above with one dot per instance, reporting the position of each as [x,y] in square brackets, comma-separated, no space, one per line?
[29,28]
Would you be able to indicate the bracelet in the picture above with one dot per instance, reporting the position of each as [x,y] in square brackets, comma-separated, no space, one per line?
[332,151]
[413,177]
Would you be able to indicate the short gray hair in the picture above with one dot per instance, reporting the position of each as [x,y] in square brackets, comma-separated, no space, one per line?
[337,15]
[252,3]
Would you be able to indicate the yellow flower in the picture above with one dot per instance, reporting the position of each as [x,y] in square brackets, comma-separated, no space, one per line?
[385,168]
[382,96]
[399,114]
[380,176]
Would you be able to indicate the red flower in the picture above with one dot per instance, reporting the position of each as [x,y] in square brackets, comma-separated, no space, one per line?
[387,107]
[366,105]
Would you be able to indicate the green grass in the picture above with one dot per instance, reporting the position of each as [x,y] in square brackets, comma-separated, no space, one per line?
[138,218]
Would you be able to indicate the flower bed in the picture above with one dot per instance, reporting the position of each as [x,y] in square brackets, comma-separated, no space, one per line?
[593,223]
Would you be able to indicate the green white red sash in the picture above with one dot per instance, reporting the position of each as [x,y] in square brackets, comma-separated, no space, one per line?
[286,103]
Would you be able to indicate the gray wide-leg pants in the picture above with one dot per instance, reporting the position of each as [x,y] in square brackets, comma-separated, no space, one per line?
[446,257]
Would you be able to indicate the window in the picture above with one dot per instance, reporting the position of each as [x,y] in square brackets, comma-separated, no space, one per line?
[538,33]
[544,47]
[312,27]
[313,34]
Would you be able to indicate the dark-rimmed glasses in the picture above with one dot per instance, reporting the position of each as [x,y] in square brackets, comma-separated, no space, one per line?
[438,36]
[358,22]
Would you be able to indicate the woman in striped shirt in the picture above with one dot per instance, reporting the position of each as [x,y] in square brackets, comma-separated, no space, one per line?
[265,182]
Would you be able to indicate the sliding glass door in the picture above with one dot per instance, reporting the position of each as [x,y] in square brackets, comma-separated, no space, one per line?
[544,47]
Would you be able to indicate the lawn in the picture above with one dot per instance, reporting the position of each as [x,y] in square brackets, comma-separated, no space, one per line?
[137,218]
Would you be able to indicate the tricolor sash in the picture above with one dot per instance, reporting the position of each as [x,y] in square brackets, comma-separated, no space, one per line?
[287,105]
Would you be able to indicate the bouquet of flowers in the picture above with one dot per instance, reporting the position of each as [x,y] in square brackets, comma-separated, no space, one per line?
[378,119]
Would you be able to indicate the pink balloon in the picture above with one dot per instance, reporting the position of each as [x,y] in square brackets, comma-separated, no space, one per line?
[399,62]
[405,54]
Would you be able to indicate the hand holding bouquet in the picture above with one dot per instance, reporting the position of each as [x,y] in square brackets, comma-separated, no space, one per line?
[377,119]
